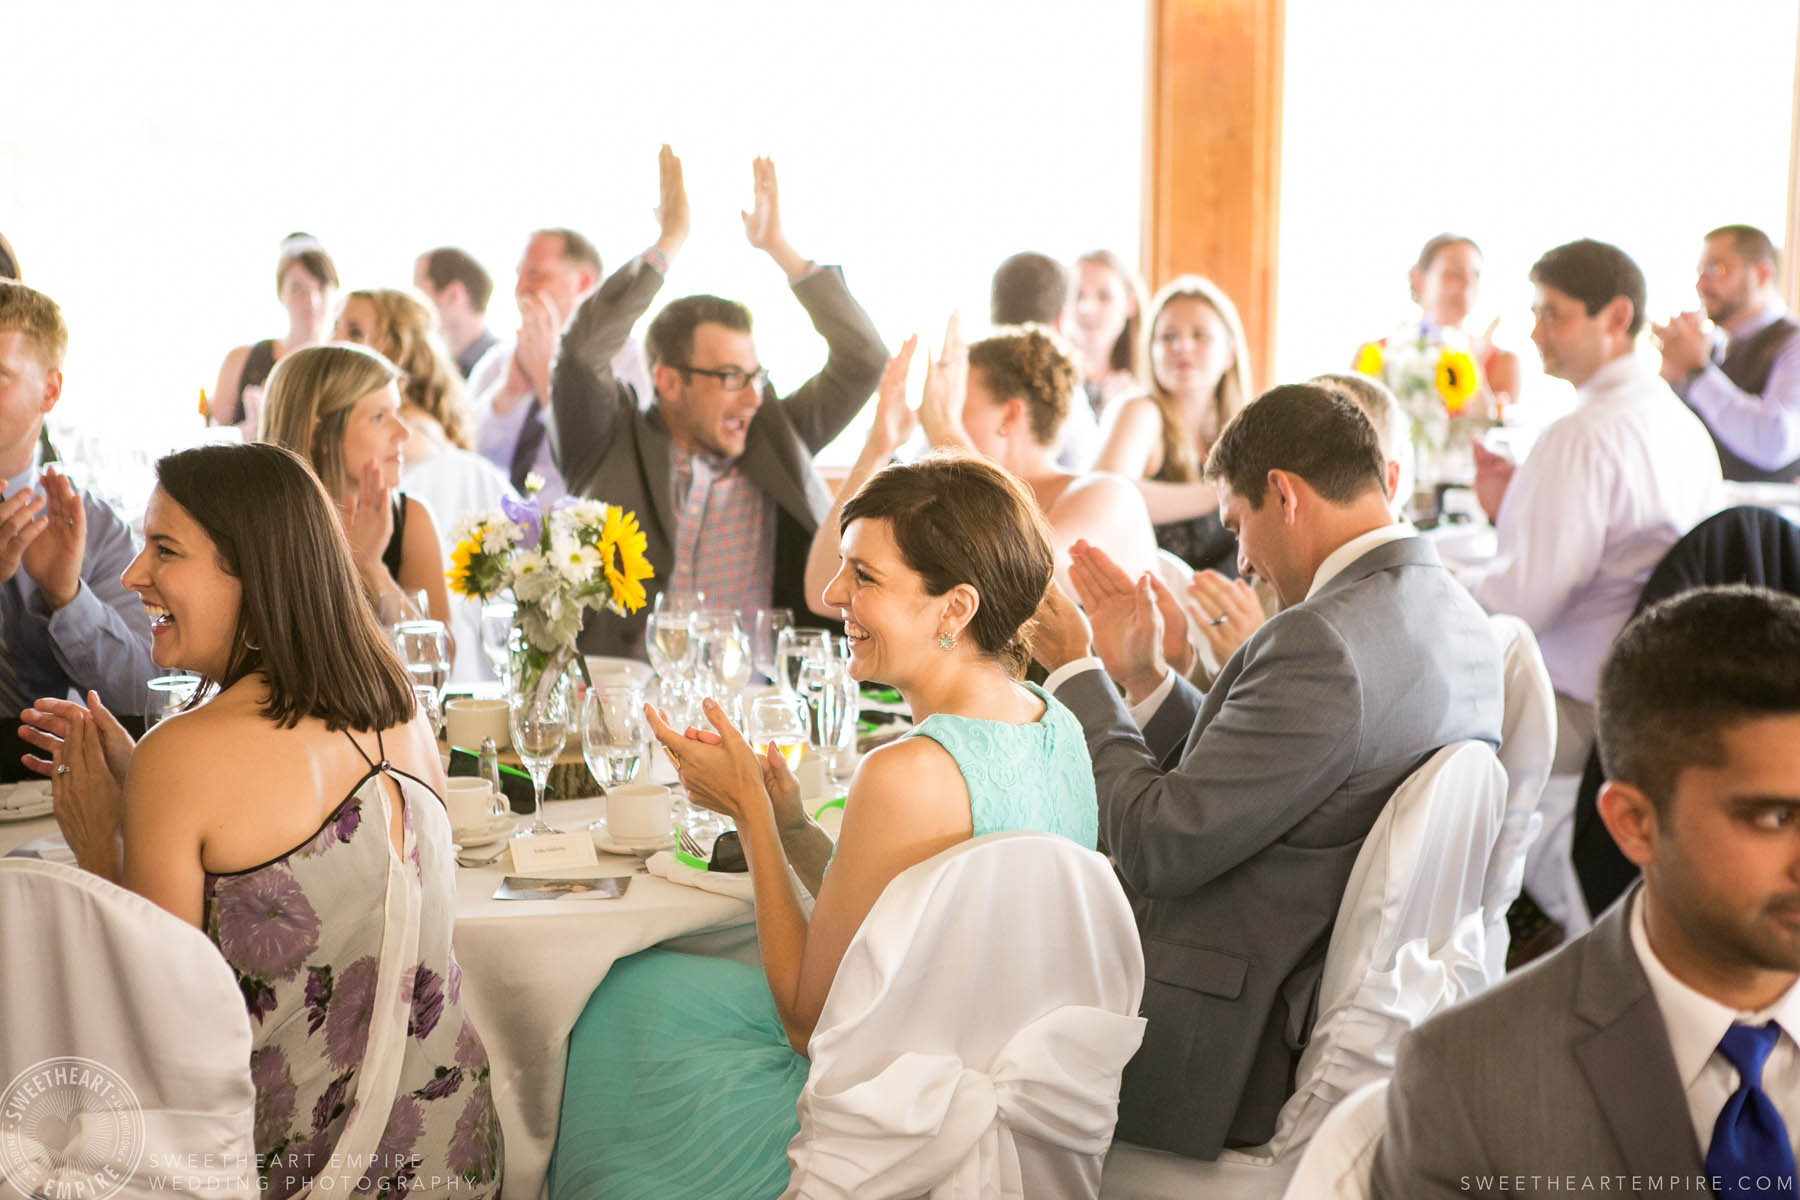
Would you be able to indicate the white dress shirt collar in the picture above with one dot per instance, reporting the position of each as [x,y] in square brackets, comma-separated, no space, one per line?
[1355,548]
[24,479]
[1614,375]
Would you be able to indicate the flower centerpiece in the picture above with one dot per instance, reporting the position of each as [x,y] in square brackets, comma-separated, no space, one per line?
[558,562]
[1434,377]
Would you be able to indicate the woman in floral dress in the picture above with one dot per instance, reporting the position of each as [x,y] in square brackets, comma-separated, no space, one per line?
[295,818]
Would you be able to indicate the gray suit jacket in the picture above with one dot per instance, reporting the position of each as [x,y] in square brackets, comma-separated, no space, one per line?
[1235,818]
[611,445]
[1562,1070]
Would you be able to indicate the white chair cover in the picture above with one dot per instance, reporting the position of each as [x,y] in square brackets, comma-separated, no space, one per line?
[973,1040]
[1549,862]
[1527,747]
[1177,576]
[99,973]
[1409,941]
[1340,1159]
[1410,936]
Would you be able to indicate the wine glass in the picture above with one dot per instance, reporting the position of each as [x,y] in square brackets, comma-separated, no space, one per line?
[669,640]
[766,625]
[778,721]
[538,710]
[844,708]
[497,617]
[428,704]
[424,647]
[793,648]
[724,652]
[678,603]
[614,734]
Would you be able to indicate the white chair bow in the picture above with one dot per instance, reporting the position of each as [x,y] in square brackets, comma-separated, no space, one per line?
[973,1040]
[1527,749]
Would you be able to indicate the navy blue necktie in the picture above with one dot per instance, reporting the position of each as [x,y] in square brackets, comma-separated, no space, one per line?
[1750,1150]
[525,450]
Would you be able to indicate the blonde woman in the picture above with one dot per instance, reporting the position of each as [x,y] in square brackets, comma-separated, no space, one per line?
[1199,379]
[338,407]
[1108,309]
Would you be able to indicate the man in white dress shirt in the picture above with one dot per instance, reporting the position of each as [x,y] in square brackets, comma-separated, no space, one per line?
[1655,1054]
[1605,491]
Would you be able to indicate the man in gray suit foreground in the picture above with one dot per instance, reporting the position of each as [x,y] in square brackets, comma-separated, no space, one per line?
[1235,816]
[718,469]
[1655,1055]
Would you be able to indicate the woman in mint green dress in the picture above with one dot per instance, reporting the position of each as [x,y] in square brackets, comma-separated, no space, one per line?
[684,1071]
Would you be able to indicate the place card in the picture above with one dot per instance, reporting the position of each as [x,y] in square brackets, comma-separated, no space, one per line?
[550,851]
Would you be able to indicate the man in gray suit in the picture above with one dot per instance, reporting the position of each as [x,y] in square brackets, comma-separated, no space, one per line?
[1656,1052]
[1234,817]
[718,470]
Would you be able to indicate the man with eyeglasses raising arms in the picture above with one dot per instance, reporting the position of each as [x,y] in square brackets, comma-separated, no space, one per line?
[717,467]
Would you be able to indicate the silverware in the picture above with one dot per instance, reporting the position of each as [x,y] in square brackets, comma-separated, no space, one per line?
[689,845]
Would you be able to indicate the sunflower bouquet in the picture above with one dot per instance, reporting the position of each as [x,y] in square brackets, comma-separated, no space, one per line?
[558,563]
[1431,372]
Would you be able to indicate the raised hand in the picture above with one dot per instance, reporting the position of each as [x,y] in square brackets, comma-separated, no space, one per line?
[894,421]
[672,205]
[1683,344]
[946,391]
[1059,632]
[720,772]
[1128,629]
[540,324]
[762,224]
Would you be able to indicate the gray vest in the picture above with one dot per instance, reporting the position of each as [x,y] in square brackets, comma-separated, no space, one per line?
[1747,363]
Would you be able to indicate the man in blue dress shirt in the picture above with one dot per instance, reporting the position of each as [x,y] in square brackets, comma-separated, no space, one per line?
[66,622]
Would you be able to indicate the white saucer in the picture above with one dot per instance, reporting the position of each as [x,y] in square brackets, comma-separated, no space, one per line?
[25,801]
[604,840]
[496,828]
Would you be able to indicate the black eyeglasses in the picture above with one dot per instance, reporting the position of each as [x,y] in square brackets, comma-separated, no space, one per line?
[732,380]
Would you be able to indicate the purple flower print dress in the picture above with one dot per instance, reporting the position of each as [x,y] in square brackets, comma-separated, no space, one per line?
[303,934]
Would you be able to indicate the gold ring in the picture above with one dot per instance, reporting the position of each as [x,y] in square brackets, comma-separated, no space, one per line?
[63,769]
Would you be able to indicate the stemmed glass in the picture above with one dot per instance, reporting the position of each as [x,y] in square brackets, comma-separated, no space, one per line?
[844,708]
[497,617]
[724,652]
[424,647]
[428,704]
[614,734]
[777,720]
[766,626]
[539,713]
[669,640]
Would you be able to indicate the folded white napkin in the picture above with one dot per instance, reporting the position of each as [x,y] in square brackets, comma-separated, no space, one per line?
[733,884]
[32,794]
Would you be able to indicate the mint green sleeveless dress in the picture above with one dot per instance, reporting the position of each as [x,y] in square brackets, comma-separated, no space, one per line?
[681,1082]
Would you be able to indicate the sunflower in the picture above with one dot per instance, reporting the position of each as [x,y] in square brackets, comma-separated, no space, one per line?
[458,574]
[1456,380]
[621,547]
[1369,359]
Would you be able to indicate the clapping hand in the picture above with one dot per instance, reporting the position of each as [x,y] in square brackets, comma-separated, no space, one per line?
[89,795]
[720,770]
[762,224]
[540,324]
[368,518]
[1227,611]
[1684,346]
[1128,625]
[946,391]
[49,723]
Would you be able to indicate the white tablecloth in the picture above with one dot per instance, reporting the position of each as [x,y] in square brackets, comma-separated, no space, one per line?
[529,967]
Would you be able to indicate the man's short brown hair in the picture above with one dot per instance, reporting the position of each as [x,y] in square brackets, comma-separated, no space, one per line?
[1750,244]
[36,315]
[1305,429]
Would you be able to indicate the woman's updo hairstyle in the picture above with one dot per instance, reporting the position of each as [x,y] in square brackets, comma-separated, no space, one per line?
[1034,364]
[960,519]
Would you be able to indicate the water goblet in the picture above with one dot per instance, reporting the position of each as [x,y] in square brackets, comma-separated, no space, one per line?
[766,625]
[614,734]
[777,721]
[538,711]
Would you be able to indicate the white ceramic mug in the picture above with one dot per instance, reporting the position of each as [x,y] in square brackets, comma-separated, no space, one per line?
[470,802]
[640,811]
[467,721]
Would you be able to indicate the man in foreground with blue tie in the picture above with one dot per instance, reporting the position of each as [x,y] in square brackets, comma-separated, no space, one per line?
[1655,1055]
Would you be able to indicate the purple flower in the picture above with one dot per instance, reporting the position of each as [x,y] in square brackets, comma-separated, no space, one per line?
[526,516]
[259,997]
[470,1054]
[275,1094]
[290,1167]
[427,1002]
[266,925]
[331,1102]
[394,1158]
[318,997]
[347,1021]
[338,830]
[474,1151]
[443,1083]
[453,982]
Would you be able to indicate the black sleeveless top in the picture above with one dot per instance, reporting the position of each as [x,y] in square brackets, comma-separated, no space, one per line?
[390,557]
[256,372]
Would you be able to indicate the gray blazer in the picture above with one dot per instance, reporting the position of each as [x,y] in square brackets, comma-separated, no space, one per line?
[612,446]
[1562,1070]
[1235,818]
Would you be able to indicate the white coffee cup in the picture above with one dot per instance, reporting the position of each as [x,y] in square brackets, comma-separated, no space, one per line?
[467,721]
[470,803]
[640,811]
